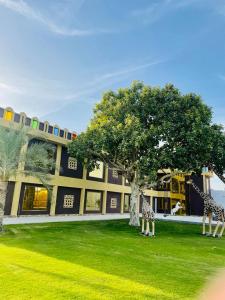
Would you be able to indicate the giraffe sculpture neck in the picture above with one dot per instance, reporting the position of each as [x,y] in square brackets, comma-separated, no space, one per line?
[204,196]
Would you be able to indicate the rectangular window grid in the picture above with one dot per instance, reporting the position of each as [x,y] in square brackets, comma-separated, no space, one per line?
[113,203]
[115,173]
[68,201]
[72,163]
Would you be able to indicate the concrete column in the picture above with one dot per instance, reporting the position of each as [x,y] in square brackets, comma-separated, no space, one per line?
[122,203]
[84,173]
[53,200]
[104,202]
[58,159]
[106,174]
[82,196]
[16,198]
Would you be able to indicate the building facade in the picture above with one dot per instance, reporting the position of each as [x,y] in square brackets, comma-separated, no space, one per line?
[76,191]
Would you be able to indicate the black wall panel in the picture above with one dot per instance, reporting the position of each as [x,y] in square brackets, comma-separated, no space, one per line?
[111,195]
[64,171]
[111,179]
[195,203]
[62,191]
[9,198]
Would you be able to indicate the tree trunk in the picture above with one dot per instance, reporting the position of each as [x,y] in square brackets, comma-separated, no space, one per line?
[3,193]
[134,213]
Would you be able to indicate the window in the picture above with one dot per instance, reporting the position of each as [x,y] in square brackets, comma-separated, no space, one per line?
[182,188]
[113,203]
[8,115]
[50,129]
[56,131]
[41,126]
[98,172]
[17,118]
[115,173]
[68,201]
[61,133]
[126,202]
[35,198]
[1,112]
[72,163]
[175,185]
[93,201]
[27,121]
[34,124]
[69,136]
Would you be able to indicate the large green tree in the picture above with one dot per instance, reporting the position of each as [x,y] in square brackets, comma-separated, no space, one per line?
[38,160]
[141,129]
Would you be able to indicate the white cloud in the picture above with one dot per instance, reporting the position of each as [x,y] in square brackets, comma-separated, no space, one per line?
[22,8]
[44,95]
[107,79]
[9,88]
[158,9]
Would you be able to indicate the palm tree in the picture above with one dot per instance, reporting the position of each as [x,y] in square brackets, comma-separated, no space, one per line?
[38,160]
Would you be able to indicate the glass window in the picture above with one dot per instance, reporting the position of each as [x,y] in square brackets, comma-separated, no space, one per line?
[50,129]
[61,133]
[8,115]
[175,185]
[41,126]
[97,172]
[1,112]
[68,201]
[34,124]
[56,131]
[27,122]
[126,202]
[17,118]
[74,136]
[182,188]
[113,203]
[72,163]
[35,198]
[69,136]
[93,201]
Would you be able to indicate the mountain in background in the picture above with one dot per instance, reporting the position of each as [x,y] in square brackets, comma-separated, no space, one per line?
[219,196]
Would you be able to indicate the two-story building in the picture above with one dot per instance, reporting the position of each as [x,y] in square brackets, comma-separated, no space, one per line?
[76,191]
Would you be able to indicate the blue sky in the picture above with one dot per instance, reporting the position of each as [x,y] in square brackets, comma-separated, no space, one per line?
[58,57]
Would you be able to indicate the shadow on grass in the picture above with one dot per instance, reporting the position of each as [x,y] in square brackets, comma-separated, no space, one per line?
[178,256]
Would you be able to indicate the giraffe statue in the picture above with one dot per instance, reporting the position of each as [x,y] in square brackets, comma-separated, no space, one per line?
[148,215]
[210,207]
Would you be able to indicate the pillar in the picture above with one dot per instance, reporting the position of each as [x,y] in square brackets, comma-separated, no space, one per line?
[53,200]
[122,203]
[58,159]
[104,202]
[82,196]
[16,198]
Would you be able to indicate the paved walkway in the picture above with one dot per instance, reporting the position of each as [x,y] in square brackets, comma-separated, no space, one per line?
[92,217]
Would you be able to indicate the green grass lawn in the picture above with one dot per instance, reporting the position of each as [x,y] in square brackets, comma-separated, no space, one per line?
[106,260]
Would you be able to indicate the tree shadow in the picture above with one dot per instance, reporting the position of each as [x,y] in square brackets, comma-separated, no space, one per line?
[114,248]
